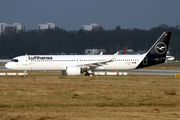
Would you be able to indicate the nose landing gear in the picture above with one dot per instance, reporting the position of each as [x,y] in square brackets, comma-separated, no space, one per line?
[25,72]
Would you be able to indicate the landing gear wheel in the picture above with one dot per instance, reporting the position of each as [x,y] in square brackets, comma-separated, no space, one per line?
[88,74]
[25,72]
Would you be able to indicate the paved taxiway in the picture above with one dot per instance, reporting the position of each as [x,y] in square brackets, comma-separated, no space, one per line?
[2,68]
[137,71]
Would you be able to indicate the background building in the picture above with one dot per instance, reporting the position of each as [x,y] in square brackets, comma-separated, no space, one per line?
[93,26]
[47,26]
[16,26]
[94,51]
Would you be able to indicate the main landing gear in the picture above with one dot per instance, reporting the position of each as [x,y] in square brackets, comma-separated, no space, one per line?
[89,73]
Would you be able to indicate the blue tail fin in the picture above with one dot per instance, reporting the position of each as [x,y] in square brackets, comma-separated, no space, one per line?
[157,53]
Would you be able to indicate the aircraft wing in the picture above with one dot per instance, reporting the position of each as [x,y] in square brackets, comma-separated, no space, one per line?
[96,64]
[101,53]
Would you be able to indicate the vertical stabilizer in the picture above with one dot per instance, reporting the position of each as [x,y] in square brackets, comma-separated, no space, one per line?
[157,53]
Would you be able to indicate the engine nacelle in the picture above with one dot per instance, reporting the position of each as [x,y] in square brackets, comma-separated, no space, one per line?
[73,70]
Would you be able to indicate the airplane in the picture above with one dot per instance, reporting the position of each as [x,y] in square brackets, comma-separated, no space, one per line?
[77,64]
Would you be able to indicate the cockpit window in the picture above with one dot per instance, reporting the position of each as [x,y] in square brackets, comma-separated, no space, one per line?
[14,60]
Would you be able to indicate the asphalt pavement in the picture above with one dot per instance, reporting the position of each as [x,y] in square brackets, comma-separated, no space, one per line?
[136,71]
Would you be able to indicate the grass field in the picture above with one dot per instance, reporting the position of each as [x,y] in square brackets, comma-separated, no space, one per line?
[50,96]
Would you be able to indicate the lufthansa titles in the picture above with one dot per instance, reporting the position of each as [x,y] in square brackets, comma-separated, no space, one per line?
[40,58]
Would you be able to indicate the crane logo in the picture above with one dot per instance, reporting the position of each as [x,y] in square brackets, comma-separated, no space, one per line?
[160,48]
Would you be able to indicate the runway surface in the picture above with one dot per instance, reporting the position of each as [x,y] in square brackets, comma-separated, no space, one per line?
[136,71]
[153,72]
[2,68]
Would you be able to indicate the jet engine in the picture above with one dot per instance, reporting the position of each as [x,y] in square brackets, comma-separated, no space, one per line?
[72,70]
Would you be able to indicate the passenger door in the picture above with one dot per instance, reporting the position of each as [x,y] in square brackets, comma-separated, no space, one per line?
[25,60]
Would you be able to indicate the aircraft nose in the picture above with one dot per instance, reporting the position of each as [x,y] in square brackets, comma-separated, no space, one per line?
[8,65]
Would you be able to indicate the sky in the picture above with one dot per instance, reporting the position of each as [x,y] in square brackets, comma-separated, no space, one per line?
[72,14]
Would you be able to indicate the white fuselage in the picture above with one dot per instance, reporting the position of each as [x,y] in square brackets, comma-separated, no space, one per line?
[60,62]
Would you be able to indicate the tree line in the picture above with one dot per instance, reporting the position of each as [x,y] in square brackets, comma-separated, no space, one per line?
[13,43]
